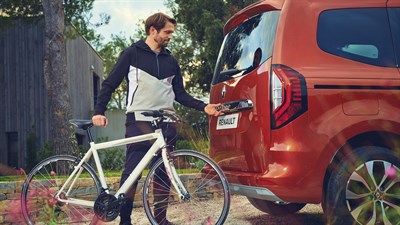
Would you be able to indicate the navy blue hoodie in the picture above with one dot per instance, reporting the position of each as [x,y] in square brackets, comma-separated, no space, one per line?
[154,82]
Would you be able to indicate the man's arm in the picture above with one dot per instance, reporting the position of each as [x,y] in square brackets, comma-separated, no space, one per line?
[186,99]
[119,71]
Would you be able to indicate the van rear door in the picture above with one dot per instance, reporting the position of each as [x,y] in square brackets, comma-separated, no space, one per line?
[239,139]
[394,19]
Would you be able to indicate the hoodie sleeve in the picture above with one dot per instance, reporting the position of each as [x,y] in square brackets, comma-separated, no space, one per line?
[182,96]
[119,71]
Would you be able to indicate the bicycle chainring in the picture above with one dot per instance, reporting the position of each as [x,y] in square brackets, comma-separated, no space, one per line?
[103,209]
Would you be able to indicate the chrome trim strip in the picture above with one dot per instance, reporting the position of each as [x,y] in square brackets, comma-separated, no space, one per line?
[236,106]
[254,192]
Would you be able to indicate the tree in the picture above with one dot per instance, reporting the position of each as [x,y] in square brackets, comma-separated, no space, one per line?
[77,13]
[55,74]
[203,21]
[110,53]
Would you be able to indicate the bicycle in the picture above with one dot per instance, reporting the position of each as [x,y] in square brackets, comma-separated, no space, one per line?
[66,189]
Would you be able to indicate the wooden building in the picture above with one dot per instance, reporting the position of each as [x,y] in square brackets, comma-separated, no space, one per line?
[24,111]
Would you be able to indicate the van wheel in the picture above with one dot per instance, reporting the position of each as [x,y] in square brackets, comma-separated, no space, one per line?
[364,188]
[276,208]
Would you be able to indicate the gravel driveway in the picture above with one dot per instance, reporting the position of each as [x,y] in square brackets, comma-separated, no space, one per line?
[243,213]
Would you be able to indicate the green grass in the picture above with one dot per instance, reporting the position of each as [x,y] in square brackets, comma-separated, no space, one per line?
[107,173]
[12,178]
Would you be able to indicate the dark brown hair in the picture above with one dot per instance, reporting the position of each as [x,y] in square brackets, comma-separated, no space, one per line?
[158,21]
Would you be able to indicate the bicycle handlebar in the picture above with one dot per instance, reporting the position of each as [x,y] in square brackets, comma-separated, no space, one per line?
[162,114]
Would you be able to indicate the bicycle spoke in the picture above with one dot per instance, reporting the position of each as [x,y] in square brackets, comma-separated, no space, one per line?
[206,190]
[44,182]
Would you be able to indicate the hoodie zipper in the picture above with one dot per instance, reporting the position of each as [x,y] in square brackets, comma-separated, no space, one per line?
[158,66]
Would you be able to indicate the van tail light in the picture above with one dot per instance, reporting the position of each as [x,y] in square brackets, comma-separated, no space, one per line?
[288,94]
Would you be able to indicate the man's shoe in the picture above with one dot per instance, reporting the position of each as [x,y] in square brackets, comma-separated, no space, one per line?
[125,223]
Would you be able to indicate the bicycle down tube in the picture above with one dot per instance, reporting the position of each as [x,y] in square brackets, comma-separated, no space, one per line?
[159,143]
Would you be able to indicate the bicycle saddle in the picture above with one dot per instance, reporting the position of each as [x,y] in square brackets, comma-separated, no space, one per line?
[82,124]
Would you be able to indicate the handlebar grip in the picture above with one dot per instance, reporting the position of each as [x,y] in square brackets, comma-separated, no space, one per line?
[154,114]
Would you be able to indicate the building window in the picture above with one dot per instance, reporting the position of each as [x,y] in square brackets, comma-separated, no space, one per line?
[96,87]
[79,138]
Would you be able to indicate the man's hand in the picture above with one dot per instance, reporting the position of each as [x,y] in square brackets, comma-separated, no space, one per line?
[211,110]
[100,120]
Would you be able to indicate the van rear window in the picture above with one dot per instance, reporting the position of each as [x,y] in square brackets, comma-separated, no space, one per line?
[394,16]
[246,46]
[361,35]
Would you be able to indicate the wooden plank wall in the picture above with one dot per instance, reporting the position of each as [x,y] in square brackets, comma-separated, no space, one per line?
[82,63]
[23,96]
[22,88]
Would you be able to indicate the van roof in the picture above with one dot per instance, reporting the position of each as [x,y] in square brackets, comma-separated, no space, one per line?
[268,5]
[251,10]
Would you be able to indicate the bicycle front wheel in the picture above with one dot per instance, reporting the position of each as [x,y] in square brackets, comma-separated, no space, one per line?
[38,202]
[209,196]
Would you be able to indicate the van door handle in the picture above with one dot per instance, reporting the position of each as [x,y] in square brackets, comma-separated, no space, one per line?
[235,106]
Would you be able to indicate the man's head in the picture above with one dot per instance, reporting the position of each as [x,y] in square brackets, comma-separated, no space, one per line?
[159,28]
[257,57]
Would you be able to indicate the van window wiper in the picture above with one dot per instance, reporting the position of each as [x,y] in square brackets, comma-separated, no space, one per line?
[230,72]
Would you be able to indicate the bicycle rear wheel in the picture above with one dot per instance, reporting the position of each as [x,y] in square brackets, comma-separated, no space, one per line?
[38,202]
[208,188]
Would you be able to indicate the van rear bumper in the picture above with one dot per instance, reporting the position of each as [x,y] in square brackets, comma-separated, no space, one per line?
[255,185]
[254,192]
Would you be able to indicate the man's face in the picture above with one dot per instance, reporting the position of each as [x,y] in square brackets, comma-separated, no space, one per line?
[163,37]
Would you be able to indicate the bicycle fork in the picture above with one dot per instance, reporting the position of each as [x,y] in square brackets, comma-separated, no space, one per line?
[173,175]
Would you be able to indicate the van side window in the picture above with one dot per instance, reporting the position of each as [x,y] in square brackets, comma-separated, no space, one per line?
[246,47]
[394,17]
[361,35]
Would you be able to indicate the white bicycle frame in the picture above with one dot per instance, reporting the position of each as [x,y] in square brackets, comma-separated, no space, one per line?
[157,145]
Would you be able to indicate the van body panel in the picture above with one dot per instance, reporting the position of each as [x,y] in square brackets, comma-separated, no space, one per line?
[232,147]
[393,3]
[346,99]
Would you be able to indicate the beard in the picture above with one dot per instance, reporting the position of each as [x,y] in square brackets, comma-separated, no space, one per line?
[162,42]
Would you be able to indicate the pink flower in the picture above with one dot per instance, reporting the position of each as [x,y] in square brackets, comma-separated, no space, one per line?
[392,172]
[52,173]
[209,221]
[15,212]
[22,171]
[52,202]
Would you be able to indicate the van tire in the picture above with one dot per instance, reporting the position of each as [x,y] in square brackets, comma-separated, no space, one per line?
[357,163]
[276,208]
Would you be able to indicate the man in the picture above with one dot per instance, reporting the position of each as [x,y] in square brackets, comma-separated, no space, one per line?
[154,82]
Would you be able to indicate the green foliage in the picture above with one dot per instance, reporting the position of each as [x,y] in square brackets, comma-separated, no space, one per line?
[193,131]
[203,24]
[111,158]
[77,13]
[192,118]
[32,148]
[192,139]
[45,151]
[21,8]
[34,153]
[184,50]
[110,53]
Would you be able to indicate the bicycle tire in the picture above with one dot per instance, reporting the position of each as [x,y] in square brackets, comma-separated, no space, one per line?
[208,187]
[37,197]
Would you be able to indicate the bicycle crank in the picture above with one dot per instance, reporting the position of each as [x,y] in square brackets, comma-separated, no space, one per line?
[107,207]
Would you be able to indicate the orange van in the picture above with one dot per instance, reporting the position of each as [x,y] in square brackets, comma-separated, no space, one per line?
[311,93]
